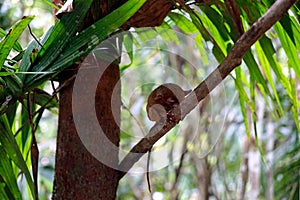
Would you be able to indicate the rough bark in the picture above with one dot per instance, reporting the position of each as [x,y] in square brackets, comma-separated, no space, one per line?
[78,174]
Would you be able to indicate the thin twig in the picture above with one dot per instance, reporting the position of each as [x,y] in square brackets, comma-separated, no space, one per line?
[54,91]
[135,119]
[147,173]
[174,192]
[31,33]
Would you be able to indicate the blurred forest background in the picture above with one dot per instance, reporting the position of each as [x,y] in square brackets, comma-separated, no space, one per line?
[215,153]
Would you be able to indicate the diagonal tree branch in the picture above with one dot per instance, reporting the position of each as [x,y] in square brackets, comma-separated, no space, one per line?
[233,59]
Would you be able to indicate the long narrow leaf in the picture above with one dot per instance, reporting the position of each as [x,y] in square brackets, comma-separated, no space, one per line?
[3,194]
[257,75]
[243,98]
[25,63]
[295,105]
[265,53]
[289,48]
[215,17]
[99,31]
[8,175]
[287,25]
[183,23]
[16,46]
[7,44]
[213,35]
[63,30]
[89,39]
[9,144]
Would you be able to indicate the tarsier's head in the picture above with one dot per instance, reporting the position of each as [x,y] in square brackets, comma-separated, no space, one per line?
[162,100]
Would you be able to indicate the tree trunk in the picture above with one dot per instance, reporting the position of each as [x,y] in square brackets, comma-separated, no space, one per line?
[78,174]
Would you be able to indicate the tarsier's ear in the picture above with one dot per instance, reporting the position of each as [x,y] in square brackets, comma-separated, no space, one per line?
[158,97]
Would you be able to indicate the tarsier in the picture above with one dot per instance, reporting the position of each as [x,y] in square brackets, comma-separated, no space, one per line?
[163,99]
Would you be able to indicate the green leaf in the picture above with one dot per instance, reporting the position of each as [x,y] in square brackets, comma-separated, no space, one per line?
[44,99]
[33,55]
[289,48]
[218,20]
[16,46]
[167,34]
[183,23]
[51,4]
[265,53]
[7,73]
[16,59]
[295,104]
[252,10]
[83,43]
[254,116]
[24,131]
[3,194]
[287,172]
[287,25]
[63,30]
[11,111]
[128,44]
[258,77]
[243,98]
[25,63]
[8,175]
[11,148]
[200,46]
[210,33]
[14,84]
[146,35]
[7,44]
[296,32]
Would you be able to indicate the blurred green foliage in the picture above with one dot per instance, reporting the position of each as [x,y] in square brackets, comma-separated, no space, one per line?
[211,144]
